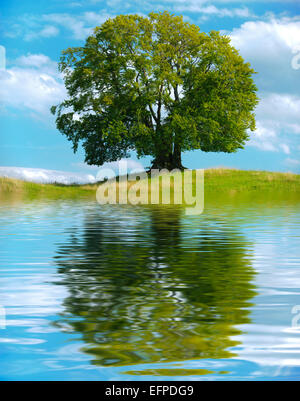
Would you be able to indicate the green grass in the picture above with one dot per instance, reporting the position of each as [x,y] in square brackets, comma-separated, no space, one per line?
[261,189]
[221,180]
[234,181]
[20,189]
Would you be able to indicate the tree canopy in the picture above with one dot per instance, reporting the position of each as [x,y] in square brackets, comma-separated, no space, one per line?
[156,85]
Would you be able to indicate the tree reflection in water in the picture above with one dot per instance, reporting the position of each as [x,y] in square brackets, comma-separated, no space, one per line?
[152,285]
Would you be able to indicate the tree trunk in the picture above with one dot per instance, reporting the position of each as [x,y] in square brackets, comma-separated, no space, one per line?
[169,160]
[176,157]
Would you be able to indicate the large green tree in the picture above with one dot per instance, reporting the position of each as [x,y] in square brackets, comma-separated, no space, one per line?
[156,85]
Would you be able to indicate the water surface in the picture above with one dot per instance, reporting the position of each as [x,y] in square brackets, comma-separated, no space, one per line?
[126,292]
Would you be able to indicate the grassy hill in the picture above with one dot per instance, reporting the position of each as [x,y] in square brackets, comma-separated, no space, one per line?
[226,181]
[242,180]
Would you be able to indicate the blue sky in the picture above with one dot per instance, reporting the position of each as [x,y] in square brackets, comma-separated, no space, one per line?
[33,33]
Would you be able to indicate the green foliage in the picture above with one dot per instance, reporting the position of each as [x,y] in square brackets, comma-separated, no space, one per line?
[156,85]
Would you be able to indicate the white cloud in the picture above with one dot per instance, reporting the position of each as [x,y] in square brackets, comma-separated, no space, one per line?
[295,128]
[292,162]
[282,108]
[33,83]
[211,10]
[267,36]
[285,148]
[76,25]
[35,60]
[49,31]
[33,27]
[46,176]
[263,139]
[25,88]
[81,25]
[118,166]
[278,123]
[270,47]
